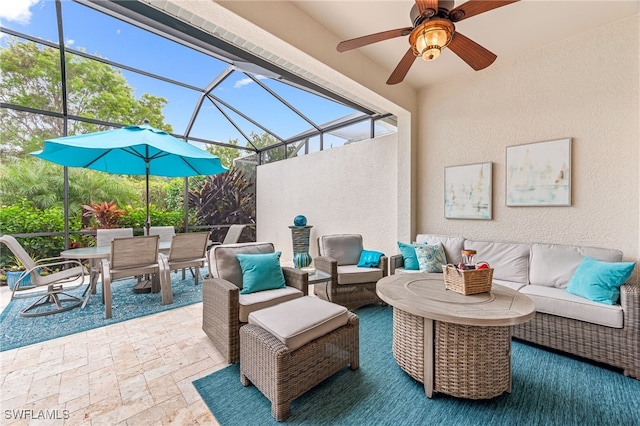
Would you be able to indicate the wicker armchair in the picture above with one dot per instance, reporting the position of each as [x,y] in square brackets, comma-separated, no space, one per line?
[225,310]
[350,286]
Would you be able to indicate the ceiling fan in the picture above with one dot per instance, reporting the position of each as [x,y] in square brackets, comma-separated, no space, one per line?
[434,29]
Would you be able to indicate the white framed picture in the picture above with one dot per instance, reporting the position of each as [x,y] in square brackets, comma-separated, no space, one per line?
[468,191]
[539,174]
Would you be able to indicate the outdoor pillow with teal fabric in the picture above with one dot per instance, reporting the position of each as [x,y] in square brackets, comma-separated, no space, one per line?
[261,272]
[431,257]
[600,281]
[369,259]
[409,256]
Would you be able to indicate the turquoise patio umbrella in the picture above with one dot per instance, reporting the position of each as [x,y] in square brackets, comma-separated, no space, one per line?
[132,150]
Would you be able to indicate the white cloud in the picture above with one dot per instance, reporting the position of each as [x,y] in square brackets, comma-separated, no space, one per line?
[70,42]
[247,80]
[16,10]
[118,31]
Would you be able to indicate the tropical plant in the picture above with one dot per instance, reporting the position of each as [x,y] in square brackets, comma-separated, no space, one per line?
[225,198]
[106,214]
[42,182]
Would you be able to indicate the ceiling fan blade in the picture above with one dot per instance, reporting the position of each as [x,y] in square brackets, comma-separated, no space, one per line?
[402,68]
[471,52]
[427,4]
[476,7]
[372,38]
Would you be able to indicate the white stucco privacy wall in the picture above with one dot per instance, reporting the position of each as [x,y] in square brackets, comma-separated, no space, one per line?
[350,189]
[584,88]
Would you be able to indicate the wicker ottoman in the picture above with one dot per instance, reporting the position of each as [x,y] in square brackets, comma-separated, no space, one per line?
[287,349]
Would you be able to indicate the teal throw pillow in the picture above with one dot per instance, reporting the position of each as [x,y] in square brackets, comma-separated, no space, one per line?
[600,281]
[431,257]
[369,259]
[409,256]
[261,272]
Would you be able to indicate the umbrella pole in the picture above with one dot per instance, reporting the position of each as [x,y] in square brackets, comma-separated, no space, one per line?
[148,220]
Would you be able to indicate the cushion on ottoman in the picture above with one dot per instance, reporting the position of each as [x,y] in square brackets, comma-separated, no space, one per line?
[299,321]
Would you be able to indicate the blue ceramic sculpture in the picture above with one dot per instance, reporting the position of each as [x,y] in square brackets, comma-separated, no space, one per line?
[300,220]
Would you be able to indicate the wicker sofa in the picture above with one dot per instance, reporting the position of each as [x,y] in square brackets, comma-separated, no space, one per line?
[604,333]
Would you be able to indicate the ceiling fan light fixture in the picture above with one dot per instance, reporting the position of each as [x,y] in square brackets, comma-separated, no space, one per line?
[430,37]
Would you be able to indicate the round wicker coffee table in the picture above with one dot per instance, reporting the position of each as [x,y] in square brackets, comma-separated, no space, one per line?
[454,344]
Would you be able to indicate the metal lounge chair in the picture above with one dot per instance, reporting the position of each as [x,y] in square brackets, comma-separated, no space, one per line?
[51,289]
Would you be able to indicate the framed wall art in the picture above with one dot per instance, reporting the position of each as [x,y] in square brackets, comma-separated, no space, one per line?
[539,174]
[468,191]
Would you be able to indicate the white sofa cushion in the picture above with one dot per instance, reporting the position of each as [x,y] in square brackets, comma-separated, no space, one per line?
[352,274]
[510,261]
[553,265]
[300,321]
[263,299]
[557,301]
[512,285]
[452,245]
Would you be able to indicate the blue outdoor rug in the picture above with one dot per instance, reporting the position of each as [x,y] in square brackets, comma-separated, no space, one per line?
[17,331]
[548,389]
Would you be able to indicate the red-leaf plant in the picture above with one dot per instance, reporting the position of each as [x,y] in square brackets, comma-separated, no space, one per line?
[106,214]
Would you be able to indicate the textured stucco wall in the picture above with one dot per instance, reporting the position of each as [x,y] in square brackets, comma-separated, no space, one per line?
[272,30]
[350,189]
[584,88]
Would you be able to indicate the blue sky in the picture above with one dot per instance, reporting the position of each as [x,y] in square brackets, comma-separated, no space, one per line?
[96,33]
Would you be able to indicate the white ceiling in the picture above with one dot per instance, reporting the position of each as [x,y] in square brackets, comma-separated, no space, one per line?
[508,31]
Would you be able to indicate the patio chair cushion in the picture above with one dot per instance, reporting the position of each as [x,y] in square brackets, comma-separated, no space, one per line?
[314,318]
[224,264]
[261,272]
[263,299]
[352,274]
[345,248]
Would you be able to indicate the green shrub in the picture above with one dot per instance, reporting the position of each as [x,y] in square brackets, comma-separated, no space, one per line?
[23,217]
[135,218]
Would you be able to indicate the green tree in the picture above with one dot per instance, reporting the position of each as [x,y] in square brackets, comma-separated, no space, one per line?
[31,77]
[228,154]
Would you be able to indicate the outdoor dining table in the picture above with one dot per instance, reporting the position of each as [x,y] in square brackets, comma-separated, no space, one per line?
[95,255]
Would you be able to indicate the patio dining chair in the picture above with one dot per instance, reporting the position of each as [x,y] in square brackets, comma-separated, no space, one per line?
[105,236]
[166,233]
[188,250]
[61,276]
[135,257]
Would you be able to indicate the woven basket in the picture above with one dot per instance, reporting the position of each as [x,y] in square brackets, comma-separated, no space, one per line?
[468,281]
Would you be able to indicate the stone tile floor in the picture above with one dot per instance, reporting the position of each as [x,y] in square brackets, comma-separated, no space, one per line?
[138,372]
